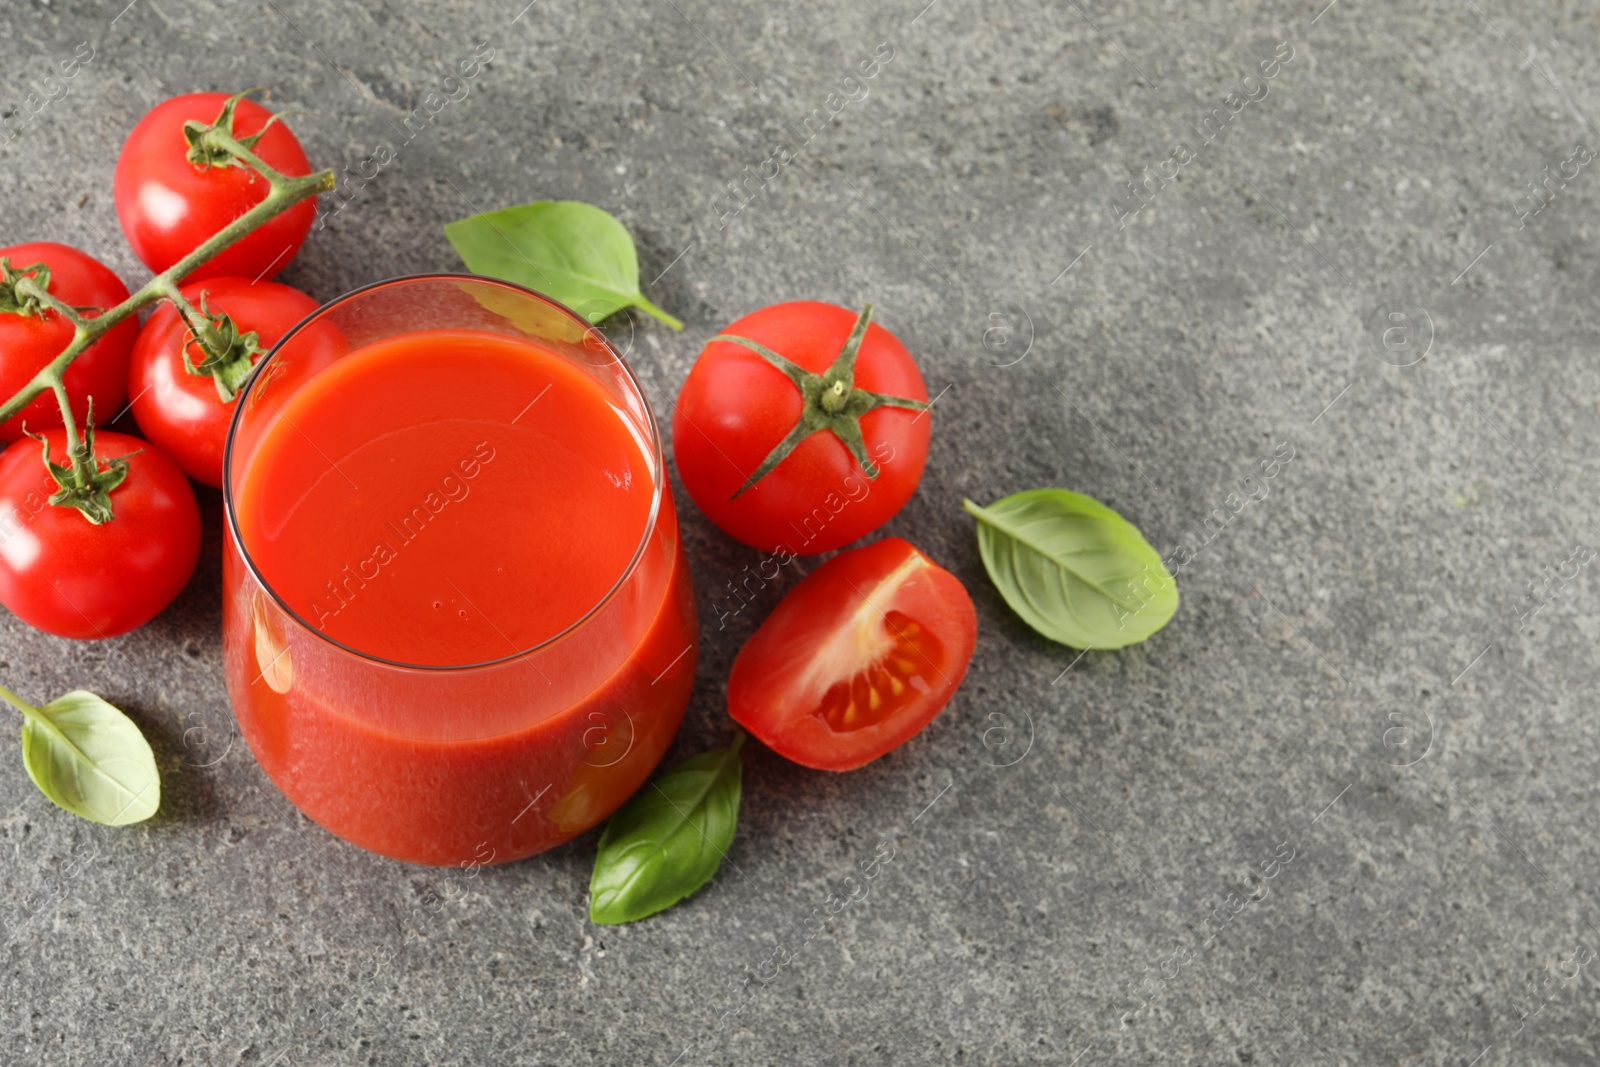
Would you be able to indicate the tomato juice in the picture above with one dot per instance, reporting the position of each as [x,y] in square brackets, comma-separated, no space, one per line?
[458,621]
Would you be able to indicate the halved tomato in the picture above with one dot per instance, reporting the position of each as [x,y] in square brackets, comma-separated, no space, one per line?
[860,656]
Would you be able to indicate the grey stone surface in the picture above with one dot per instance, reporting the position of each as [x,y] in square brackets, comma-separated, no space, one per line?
[1068,832]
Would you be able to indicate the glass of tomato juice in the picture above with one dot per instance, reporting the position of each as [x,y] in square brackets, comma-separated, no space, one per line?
[458,625]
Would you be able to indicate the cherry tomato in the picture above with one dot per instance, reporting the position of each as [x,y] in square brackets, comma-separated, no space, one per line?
[69,577]
[858,657]
[28,341]
[739,408]
[169,206]
[182,413]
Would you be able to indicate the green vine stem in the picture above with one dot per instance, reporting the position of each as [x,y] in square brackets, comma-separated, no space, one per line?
[227,354]
[60,389]
[284,193]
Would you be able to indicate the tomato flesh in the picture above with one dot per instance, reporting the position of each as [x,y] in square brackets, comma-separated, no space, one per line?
[859,657]
[896,678]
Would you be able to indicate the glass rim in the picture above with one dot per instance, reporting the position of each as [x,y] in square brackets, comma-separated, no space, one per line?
[651,426]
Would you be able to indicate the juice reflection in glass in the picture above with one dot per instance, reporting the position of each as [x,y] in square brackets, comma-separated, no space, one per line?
[458,625]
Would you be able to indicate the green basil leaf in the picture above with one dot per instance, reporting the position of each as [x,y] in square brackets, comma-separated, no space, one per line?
[668,840]
[566,249]
[1075,570]
[90,758]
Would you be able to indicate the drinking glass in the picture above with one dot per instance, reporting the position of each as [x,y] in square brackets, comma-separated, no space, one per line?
[480,762]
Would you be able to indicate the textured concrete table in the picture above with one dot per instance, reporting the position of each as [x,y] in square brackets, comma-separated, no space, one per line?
[1346,311]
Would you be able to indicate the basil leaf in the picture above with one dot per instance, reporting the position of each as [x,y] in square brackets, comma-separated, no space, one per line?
[1075,570]
[566,249]
[89,758]
[668,840]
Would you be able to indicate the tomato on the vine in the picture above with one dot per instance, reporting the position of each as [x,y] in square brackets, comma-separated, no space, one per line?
[31,336]
[70,577]
[802,427]
[184,413]
[857,658]
[170,199]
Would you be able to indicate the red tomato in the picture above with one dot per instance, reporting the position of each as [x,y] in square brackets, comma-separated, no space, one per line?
[28,341]
[168,205]
[65,575]
[858,657]
[737,407]
[183,413]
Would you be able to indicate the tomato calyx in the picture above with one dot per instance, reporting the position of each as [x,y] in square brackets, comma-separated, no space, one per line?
[829,401]
[81,481]
[14,298]
[209,151]
[226,352]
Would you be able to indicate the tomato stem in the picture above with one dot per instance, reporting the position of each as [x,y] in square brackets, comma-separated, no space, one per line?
[80,482]
[828,401]
[67,423]
[14,301]
[280,199]
[283,193]
[226,353]
[205,151]
[30,289]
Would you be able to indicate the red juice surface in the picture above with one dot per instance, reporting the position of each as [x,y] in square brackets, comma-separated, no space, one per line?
[446,498]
